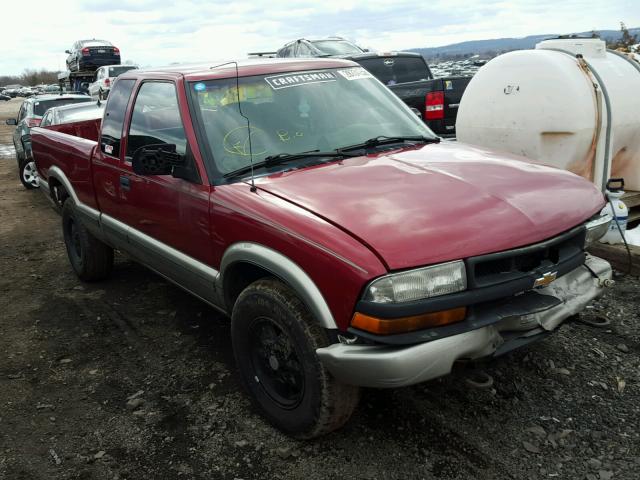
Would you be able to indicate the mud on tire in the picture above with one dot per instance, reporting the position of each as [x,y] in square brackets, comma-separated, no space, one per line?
[274,341]
[90,258]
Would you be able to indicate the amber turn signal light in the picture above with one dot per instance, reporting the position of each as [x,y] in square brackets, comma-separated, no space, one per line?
[386,326]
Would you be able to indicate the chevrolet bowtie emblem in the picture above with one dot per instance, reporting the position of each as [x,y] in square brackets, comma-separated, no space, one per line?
[545,279]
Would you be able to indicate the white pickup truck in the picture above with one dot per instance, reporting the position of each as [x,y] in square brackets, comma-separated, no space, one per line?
[105,77]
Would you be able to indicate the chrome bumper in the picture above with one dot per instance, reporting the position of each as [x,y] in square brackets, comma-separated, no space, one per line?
[382,366]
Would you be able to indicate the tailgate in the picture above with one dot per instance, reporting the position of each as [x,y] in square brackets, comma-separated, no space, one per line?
[413,93]
[453,88]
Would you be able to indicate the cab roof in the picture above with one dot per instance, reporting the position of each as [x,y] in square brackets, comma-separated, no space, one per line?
[246,68]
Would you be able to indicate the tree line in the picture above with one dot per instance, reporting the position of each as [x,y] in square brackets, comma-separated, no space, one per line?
[30,77]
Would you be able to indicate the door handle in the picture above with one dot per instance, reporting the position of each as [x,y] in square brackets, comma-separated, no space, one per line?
[125,182]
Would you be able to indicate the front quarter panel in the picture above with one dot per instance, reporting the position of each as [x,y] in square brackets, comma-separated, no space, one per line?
[338,264]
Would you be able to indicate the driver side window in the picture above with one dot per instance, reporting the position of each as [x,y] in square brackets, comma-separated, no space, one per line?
[22,112]
[156,119]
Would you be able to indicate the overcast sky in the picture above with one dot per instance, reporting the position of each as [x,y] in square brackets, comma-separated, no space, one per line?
[158,32]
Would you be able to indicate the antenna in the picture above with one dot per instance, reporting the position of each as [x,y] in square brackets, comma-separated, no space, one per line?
[253,183]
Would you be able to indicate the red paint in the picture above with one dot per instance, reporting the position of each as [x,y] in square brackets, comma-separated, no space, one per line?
[344,222]
[441,201]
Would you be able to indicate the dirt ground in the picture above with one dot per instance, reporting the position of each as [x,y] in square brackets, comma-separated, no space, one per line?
[72,355]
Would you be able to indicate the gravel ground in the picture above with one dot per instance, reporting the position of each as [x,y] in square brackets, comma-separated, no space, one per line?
[134,379]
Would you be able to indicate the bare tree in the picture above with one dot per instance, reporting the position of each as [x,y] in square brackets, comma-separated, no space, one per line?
[30,77]
[625,41]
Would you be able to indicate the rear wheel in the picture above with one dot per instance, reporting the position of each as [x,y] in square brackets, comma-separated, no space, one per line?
[274,342]
[90,258]
[28,173]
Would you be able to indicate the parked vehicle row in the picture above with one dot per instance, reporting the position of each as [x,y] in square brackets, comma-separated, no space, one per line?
[29,116]
[305,200]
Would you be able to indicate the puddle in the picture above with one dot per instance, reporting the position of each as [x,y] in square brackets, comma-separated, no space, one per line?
[7,151]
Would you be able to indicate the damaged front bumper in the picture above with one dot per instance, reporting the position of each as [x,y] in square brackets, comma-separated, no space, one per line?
[521,320]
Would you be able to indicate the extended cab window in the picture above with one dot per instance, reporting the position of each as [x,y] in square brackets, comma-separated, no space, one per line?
[156,118]
[114,117]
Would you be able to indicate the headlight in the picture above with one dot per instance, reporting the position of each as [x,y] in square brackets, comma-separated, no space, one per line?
[596,228]
[418,284]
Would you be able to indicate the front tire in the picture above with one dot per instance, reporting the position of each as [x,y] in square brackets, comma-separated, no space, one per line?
[90,258]
[28,173]
[274,342]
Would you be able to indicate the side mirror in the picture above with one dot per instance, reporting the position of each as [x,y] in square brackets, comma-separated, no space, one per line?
[157,159]
[417,112]
[67,52]
[11,121]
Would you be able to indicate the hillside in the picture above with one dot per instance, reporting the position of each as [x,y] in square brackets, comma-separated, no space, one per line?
[495,46]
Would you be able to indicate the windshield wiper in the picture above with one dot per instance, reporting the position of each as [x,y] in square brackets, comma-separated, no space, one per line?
[281,158]
[383,140]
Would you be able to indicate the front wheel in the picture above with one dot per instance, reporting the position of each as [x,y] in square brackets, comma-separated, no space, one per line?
[90,258]
[274,343]
[28,173]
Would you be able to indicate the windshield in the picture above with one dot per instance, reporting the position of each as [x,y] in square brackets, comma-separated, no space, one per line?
[392,70]
[298,112]
[43,105]
[115,71]
[336,47]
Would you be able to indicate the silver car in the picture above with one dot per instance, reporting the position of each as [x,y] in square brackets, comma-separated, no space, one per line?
[72,113]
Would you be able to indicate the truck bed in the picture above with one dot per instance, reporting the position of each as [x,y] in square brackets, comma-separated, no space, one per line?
[413,94]
[70,148]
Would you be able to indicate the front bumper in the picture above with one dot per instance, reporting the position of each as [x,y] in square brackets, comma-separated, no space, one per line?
[384,366]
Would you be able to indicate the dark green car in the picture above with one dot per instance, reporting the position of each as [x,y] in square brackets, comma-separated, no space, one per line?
[29,116]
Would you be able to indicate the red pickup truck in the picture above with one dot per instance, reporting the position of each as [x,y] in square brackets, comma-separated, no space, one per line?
[349,246]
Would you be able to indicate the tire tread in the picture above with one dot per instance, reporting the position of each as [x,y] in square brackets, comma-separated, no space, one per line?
[338,400]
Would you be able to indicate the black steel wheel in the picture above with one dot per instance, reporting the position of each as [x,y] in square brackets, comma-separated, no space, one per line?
[90,258]
[276,362]
[274,343]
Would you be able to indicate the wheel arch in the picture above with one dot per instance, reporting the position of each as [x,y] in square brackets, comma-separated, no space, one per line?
[57,178]
[245,262]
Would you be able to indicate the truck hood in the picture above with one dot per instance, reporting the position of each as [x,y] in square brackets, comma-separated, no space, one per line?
[439,202]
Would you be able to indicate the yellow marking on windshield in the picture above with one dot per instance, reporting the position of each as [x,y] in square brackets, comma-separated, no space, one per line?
[236,141]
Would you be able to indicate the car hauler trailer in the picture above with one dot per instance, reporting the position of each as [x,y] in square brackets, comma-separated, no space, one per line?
[76,81]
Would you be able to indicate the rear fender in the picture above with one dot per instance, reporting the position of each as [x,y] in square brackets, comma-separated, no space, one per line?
[90,216]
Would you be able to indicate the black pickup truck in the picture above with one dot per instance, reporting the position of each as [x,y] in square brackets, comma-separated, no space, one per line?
[409,77]
[405,73]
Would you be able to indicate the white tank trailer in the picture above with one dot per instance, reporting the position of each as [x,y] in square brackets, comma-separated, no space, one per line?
[570,103]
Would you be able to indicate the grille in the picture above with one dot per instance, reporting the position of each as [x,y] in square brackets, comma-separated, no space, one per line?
[552,254]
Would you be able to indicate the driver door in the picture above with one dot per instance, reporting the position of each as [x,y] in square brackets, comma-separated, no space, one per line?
[168,217]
